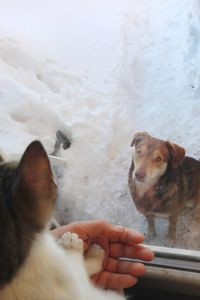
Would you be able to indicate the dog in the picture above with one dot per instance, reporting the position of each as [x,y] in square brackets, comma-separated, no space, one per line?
[162,181]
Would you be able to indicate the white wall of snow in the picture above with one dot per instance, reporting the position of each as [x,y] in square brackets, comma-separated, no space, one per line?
[121,67]
[80,35]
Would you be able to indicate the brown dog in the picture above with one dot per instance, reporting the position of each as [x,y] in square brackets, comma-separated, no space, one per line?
[162,181]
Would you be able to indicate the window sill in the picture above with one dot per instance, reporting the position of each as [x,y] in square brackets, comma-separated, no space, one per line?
[173,270]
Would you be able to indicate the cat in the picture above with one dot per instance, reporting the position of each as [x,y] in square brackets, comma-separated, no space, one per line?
[33,266]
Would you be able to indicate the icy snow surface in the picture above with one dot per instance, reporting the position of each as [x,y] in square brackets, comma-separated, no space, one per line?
[138,73]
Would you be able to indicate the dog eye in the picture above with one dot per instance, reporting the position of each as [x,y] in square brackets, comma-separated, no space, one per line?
[138,151]
[158,159]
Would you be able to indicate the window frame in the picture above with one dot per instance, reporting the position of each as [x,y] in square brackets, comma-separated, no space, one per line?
[172,269]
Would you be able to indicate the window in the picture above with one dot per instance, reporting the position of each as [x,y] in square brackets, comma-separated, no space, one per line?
[114,68]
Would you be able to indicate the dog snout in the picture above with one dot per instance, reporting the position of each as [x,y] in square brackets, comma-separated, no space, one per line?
[140,175]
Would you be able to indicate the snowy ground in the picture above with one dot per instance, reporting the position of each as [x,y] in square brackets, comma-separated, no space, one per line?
[124,67]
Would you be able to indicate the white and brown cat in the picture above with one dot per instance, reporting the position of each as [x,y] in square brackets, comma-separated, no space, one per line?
[33,266]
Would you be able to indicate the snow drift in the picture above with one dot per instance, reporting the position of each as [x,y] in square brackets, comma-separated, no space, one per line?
[147,80]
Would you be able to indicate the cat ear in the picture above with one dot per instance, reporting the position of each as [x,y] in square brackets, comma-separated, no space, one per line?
[34,166]
[36,190]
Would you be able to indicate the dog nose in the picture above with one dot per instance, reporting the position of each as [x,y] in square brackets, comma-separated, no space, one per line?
[140,175]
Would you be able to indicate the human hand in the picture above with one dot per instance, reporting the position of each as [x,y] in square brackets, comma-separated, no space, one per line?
[117,241]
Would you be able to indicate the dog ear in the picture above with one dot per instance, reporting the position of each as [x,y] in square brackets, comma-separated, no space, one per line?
[138,137]
[176,153]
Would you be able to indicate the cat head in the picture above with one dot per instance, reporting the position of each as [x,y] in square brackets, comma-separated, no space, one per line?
[27,198]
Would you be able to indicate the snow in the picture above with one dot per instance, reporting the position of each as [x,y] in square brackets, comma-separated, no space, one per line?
[168,85]
[100,72]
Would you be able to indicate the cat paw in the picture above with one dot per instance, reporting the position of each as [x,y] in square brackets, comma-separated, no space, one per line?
[95,251]
[94,259]
[71,241]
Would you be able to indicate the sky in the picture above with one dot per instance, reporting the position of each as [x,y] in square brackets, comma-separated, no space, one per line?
[77,34]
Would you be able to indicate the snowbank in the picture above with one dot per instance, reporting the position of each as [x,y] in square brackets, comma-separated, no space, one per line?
[38,98]
[144,76]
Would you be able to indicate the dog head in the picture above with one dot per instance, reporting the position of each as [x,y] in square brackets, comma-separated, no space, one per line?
[153,156]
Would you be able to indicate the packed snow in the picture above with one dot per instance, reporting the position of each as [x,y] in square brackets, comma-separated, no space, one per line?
[101,74]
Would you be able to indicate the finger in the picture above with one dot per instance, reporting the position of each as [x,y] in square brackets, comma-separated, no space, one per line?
[130,251]
[114,281]
[124,267]
[85,230]
[122,234]
[94,229]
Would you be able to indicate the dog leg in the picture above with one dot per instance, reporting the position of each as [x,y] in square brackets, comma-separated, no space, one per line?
[173,219]
[151,227]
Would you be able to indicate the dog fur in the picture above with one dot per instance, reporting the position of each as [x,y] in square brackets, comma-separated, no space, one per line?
[162,181]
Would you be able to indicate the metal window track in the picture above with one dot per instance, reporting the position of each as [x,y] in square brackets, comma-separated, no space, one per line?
[174,258]
[172,269]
